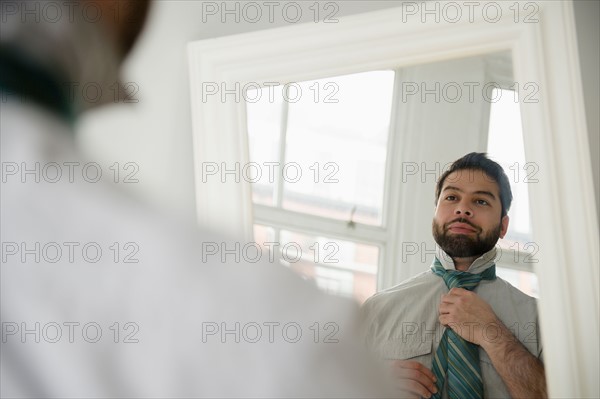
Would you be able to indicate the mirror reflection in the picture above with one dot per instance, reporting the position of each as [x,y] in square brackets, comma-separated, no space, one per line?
[323,149]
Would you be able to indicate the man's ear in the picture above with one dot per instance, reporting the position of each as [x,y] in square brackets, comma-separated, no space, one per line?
[504,222]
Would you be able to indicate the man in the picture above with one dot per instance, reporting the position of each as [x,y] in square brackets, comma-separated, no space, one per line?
[457,330]
[101,297]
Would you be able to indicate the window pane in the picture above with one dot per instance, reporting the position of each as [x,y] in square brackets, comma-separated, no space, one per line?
[505,146]
[525,281]
[339,267]
[263,234]
[339,138]
[264,110]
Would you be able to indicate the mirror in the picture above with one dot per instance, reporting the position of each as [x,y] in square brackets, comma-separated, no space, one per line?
[325,151]
[376,41]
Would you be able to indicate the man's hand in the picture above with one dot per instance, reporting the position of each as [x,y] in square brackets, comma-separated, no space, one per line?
[413,379]
[474,320]
[468,315]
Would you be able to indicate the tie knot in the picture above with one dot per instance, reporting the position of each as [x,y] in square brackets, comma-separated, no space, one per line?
[458,279]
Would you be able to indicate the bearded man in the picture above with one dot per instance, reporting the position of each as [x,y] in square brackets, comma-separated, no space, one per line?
[458,330]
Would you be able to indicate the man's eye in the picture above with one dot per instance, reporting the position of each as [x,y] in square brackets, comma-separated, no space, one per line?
[482,202]
[451,197]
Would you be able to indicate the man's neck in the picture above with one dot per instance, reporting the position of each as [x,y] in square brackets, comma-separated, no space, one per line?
[463,264]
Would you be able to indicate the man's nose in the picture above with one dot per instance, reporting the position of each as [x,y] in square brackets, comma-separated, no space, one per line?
[463,210]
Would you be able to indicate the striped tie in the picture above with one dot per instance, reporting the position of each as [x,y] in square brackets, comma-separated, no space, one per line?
[457,360]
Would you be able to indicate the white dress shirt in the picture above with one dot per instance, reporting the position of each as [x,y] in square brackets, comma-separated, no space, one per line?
[401,323]
[101,297]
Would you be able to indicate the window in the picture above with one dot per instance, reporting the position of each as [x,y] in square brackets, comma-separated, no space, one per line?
[318,150]
[505,146]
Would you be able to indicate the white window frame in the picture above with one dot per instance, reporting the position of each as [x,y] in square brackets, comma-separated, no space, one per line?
[374,235]
[564,224]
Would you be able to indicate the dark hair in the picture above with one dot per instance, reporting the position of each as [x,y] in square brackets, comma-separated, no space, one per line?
[480,161]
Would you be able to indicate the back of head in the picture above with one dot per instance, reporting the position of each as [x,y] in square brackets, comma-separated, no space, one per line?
[69,42]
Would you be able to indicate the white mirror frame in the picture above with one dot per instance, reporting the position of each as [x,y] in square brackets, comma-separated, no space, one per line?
[563,214]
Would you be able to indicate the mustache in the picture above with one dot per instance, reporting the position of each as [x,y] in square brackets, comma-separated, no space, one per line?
[462,220]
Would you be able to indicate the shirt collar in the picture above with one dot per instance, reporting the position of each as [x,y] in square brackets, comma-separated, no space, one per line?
[479,265]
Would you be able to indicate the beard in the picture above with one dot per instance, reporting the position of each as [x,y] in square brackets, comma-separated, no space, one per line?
[464,246]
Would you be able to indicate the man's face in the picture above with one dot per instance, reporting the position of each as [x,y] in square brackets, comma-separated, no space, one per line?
[467,220]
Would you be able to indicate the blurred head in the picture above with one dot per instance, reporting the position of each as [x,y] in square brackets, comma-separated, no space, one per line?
[119,21]
[472,201]
[68,45]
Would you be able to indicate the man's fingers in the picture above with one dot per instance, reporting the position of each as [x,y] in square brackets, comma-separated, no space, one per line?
[415,388]
[415,377]
[411,364]
[427,372]
[447,298]
[445,320]
[444,308]
[454,295]
[458,291]
[413,374]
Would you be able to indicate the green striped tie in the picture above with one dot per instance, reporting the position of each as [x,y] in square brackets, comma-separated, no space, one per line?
[457,360]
